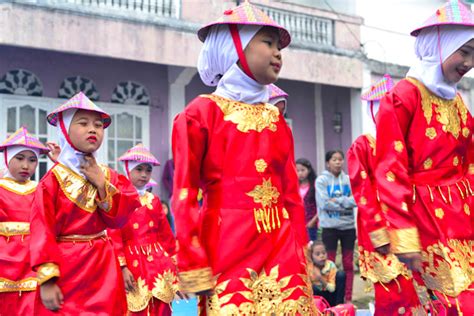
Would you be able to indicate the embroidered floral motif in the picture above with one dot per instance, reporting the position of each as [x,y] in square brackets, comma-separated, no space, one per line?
[430,133]
[260,165]
[428,164]
[265,194]
[378,268]
[439,213]
[363,174]
[8,229]
[398,145]
[165,286]
[390,176]
[147,200]
[465,132]
[255,117]
[137,300]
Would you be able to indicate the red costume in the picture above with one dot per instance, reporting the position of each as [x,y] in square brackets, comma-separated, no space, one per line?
[69,242]
[146,246]
[17,281]
[395,293]
[246,242]
[423,163]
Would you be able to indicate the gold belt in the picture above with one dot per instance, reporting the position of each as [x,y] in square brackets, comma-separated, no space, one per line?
[8,229]
[82,238]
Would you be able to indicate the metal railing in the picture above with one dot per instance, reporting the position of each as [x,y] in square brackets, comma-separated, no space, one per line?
[304,27]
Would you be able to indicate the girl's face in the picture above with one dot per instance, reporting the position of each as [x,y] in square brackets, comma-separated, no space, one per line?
[302,172]
[141,175]
[165,208]
[335,164]
[86,131]
[23,165]
[263,55]
[459,63]
[319,255]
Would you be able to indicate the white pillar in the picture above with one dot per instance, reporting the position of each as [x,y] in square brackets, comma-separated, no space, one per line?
[356,114]
[368,126]
[319,120]
[178,79]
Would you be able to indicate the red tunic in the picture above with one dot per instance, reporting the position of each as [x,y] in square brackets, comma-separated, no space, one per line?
[17,281]
[146,246]
[422,165]
[386,272]
[250,232]
[68,240]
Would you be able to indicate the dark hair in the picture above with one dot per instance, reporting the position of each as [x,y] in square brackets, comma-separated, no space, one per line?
[311,174]
[331,153]
[316,243]
[169,217]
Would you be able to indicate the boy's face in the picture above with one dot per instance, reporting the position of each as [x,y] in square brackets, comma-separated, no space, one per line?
[319,255]
[335,164]
[23,165]
[86,131]
[459,63]
[141,175]
[263,55]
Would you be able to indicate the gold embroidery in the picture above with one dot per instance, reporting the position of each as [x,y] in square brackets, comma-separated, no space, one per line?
[255,117]
[28,284]
[122,261]
[401,310]
[372,143]
[266,193]
[46,272]
[194,281]
[137,300]
[379,237]
[398,145]
[404,206]
[135,263]
[77,189]
[455,161]
[439,213]
[384,207]
[379,268]
[82,238]
[448,268]
[21,188]
[165,286]
[404,240]
[285,214]
[268,215]
[183,194]
[363,200]
[431,133]
[147,199]
[378,218]
[135,226]
[8,229]
[428,163]
[260,165]
[363,174]
[471,168]
[467,210]
[390,176]
[465,132]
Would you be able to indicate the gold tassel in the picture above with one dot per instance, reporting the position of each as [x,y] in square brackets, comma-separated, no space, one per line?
[460,191]
[460,313]
[256,217]
[414,194]
[431,194]
[442,195]
[278,217]
[449,195]
[273,218]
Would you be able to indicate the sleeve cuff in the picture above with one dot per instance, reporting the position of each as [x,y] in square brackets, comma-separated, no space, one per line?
[46,272]
[379,237]
[405,240]
[194,281]
[106,203]
[122,261]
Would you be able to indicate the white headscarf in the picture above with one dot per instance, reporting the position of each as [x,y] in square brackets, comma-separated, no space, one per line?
[12,151]
[69,157]
[132,164]
[432,51]
[217,65]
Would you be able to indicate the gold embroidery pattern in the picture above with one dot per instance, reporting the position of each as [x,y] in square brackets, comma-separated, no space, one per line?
[255,117]
[404,206]
[21,188]
[448,268]
[378,268]
[139,298]
[77,189]
[471,168]
[398,145]
[363,174]
[46,272]
[430,133]
[260,165]
[465,132]
[28,284]
[122,261]
[195,280]
[147,200]
[372,143]
[8,229]
[379,237]
[404,240]
[467,210]
[455,161]
[428,164]
[390,176]
[183,194]
[268,215]
[363,200]
[439,213]
[165,286]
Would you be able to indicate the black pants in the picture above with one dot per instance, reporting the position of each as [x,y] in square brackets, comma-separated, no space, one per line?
[336,297]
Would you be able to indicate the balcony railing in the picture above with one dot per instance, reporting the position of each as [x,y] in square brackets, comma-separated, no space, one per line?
[305,28]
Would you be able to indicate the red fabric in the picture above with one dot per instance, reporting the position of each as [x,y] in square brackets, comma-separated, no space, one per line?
[211,153]
[15,254]
[240,51]
[402,118]
[154,308]
[85,268]
[390,297]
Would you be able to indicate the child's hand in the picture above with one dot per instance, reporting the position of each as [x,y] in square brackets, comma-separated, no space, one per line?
[51,295]
[412,260]
[128,279]
[54,151]
[317,274]
[93,173]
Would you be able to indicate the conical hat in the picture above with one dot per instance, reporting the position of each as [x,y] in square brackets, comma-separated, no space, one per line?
[276,92]
[378,90]
[81,102]
[453,12]
[247,14]
[22,138]
[140,153]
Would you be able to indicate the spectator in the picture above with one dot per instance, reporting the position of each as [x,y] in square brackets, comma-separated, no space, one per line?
[307,178]
[336,214]
[169,215]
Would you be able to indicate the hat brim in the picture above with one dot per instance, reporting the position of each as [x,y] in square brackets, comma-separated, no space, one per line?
[53,117]
[417,31]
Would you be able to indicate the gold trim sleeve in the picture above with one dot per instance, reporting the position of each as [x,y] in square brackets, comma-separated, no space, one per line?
[195,281]
[28,284]
[122,261]
[106,203]
[46,272]
[8,229]
[405,240]
[379,237]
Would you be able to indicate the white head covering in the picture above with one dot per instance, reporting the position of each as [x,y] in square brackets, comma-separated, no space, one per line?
[432,51]
[12,151]
[217,65]
[69,157]
[132,164]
